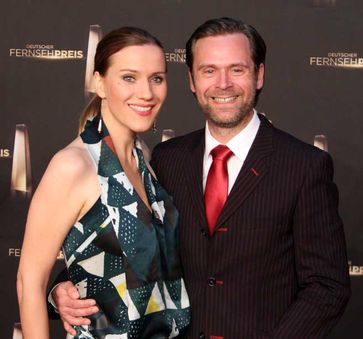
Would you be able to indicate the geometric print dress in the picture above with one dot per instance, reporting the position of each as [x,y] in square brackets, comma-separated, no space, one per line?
[124,256]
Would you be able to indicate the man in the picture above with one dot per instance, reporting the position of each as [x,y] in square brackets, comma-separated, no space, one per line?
[269,260]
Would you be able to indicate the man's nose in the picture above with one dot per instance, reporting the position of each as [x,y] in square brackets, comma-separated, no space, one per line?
[224,80]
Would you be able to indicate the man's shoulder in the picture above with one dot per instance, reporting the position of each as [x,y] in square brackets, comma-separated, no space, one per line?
[184,142]
[173,153]
[289,144]
[286,145]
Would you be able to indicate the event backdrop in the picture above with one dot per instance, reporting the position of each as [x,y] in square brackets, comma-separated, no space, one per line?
[313,89]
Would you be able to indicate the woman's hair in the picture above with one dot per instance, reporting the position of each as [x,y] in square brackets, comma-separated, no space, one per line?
[109,45]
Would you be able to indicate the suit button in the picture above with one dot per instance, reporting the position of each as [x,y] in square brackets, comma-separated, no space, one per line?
[211,281]
[201,335]
[204,232]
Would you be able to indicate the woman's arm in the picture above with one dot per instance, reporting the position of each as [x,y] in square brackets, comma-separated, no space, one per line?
[56,205]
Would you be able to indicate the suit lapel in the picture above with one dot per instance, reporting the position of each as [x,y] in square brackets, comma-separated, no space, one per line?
[193,168]
[255,167]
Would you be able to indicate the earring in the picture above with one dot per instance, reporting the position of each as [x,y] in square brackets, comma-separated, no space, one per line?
[99,128]
[155,129]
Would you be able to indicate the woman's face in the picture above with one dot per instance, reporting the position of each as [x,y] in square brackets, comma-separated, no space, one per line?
[134,87]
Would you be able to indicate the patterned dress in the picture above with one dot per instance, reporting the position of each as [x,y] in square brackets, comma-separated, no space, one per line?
[124,256]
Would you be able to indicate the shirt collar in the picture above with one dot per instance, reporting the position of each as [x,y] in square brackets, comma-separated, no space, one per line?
[240,143]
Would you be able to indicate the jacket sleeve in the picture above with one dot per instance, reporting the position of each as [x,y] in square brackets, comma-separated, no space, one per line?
[62,276]
[320,258]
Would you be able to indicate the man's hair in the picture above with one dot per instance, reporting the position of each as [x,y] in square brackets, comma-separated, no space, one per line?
[224,26]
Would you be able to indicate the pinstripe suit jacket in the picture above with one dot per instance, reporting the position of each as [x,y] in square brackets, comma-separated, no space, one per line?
[276,266]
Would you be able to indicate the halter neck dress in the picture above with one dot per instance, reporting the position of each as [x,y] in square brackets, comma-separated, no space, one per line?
[125,256]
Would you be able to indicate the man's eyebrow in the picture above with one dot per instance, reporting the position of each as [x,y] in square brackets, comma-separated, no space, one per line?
[205,65]
[238,64]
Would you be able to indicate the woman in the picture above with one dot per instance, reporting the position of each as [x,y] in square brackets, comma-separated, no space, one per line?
[98,197]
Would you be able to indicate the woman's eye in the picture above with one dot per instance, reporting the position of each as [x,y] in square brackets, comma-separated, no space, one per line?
[157,79]
[128,78]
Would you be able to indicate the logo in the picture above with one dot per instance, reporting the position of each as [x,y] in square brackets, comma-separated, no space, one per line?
[21,178]
[177,55]
[16,252]
[17,333]
[355,270]
[321,141]
[45,52]
[4,153]
[337,60]
[167,134]
[94,36]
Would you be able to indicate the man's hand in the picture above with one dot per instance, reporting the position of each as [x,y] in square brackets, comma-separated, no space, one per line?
[72,310]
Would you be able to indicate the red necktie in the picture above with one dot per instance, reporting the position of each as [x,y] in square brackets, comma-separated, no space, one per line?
[216,189]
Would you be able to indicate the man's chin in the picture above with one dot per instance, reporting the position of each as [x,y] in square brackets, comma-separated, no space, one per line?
[224,123]
[225,120]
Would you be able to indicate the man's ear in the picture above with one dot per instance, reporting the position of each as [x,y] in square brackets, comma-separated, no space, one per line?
[191,81]
[260,76]
[99,85]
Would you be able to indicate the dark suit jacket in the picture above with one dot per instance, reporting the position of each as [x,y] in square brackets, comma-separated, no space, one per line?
[276,266]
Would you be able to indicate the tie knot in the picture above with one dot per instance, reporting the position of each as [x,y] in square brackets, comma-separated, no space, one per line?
[221,152]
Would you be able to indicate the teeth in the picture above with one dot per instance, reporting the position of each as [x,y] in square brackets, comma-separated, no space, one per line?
[224,100]
[140,108]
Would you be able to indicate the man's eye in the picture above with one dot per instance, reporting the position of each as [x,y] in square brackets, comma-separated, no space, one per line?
[208,72]
[238,70]
[128,78]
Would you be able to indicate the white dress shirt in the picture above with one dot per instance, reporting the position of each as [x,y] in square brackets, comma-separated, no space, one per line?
[239,145]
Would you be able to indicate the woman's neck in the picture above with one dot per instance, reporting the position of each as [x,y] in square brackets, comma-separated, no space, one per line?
[123,138]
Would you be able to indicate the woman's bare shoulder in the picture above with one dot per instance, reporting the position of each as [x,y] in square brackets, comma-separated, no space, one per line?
[73,161]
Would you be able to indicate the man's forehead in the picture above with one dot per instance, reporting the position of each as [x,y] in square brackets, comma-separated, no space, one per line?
[225,38]
[231,45]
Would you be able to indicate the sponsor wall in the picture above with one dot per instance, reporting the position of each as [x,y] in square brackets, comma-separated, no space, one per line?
[314,75]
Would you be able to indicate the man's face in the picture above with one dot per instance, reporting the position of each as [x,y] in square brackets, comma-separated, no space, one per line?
[224,79]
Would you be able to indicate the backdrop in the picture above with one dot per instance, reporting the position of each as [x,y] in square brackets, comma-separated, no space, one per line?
[314,73]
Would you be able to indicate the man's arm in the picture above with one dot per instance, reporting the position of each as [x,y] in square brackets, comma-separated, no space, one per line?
[320,258]
[61,277]
[72,310]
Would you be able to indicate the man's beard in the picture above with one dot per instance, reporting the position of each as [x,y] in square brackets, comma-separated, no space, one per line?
[240,114]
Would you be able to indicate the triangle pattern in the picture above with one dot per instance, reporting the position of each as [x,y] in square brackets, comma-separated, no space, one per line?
[94,265]
[141,296]
[125,182]
[132,209]
[132,311]
[119,282]
[95,150]
[155,303]
[116,336]
[79,227]
[168,301]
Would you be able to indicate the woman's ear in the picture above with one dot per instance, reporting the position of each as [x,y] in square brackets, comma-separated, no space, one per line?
[99,85]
